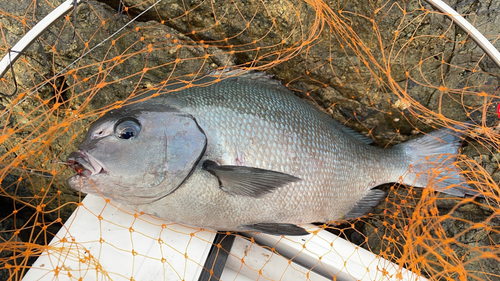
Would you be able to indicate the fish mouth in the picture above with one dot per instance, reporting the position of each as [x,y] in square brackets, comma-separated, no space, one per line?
[84,164]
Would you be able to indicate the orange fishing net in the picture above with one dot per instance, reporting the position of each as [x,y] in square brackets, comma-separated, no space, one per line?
[389,69]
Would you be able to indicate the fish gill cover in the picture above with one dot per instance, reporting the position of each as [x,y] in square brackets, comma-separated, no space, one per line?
[391,70]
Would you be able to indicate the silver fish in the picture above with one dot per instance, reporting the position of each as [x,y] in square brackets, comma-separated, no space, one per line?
[245,154]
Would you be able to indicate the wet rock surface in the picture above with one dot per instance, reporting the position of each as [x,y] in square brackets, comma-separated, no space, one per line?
[348,87]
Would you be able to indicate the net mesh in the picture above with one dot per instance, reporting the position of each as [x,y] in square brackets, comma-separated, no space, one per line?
[389,69]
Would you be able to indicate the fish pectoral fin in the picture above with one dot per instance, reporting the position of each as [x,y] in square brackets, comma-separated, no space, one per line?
[366,204]
[278,229]
[247,181]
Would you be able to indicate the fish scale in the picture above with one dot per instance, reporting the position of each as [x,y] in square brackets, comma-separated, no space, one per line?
[244,154]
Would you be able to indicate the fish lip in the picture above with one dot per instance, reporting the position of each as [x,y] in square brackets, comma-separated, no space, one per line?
[84,164]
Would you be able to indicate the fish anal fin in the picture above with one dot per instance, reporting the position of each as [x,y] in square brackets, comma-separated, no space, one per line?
[278,229]
[247,181]
[366,204]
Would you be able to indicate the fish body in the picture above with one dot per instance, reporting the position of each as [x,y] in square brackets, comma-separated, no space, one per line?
[245,154]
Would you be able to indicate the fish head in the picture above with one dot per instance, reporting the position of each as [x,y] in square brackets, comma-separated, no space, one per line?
[137,156]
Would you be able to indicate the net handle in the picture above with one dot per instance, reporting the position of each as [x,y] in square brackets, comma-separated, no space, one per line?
[477,36]
[28,39]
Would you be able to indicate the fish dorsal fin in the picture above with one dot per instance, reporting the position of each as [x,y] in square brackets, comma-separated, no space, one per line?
[351,132]
[247,181]
[278,229]
[366,204]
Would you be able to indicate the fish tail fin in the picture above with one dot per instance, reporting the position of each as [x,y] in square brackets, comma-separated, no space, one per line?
[432,162]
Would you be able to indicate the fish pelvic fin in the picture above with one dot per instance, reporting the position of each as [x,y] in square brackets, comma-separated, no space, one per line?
[432,162]
[278,229]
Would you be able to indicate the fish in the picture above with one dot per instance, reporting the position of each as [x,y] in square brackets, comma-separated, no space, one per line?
[243,153]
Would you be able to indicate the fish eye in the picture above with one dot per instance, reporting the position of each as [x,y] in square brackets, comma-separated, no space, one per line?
[127,129]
